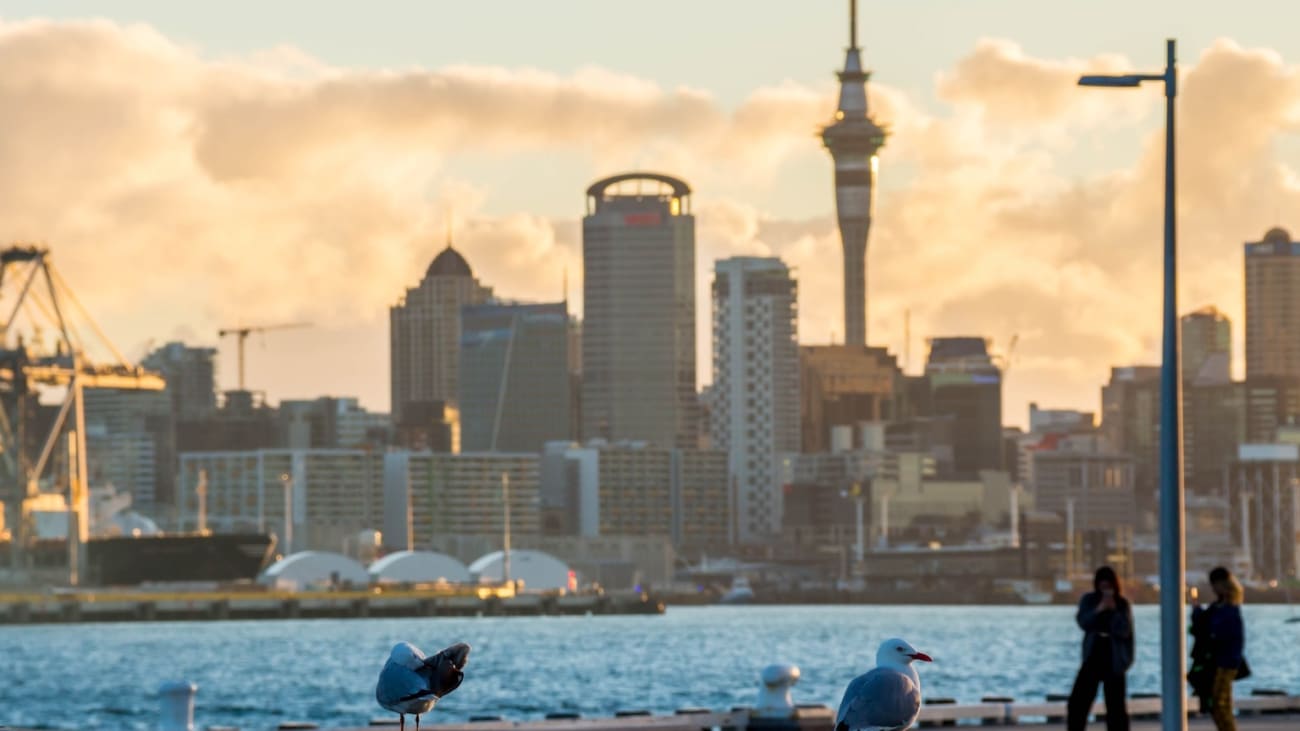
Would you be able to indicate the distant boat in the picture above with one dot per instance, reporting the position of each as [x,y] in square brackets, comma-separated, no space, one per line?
[740,592]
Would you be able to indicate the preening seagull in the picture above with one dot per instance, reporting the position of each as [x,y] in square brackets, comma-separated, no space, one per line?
[412,683]
[886,698]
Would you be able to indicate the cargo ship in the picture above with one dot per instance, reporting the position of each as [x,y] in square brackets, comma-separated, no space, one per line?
[128,549]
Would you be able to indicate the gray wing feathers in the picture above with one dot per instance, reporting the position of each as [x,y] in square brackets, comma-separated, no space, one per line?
[397,682]
[879,699]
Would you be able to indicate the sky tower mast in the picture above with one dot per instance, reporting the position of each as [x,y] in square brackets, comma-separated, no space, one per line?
[853,140]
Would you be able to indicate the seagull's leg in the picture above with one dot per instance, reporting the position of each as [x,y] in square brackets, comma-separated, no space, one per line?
[417,722]
[401,721]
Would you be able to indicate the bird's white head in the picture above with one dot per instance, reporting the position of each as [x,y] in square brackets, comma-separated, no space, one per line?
[407,655]
[898,653]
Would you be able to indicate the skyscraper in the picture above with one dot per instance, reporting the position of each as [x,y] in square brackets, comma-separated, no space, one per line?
[755,413]
[966,386]
[514,377]
[424,332]
[853,140]
[638,329]
[1273,307]
[1207,348]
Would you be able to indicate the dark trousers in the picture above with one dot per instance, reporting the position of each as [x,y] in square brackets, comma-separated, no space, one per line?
[1084,693]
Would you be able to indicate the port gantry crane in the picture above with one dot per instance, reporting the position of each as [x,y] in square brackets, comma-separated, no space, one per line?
[241,334]
[41,297]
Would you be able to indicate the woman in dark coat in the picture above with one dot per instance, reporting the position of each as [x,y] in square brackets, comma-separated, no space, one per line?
[1106,619]
[1218,651]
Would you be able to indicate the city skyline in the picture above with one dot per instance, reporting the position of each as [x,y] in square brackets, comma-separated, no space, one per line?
[991,218]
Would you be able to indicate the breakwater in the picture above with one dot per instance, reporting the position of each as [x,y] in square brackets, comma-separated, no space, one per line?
[151,606]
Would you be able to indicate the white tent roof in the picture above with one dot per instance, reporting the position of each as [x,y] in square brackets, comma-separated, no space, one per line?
[418,567]
[538,570]
[314,567]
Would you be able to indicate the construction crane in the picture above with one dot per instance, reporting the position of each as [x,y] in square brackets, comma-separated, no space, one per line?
[242,334]
[43,296]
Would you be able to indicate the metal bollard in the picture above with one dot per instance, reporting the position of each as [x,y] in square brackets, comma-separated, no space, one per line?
[176,705]
[774,699]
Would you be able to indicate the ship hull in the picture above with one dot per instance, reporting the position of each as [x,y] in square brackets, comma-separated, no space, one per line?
[129,561]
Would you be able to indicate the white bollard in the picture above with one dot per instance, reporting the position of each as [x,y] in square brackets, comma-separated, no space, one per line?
[176,701]
[774,696]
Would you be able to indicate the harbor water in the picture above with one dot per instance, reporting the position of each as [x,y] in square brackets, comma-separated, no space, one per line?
[255,674]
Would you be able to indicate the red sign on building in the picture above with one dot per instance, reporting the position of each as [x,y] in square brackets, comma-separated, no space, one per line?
[642,219]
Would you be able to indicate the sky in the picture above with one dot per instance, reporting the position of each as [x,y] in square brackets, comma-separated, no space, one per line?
[200,166]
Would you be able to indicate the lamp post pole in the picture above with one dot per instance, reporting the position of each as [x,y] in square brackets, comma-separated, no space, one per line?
[1173,716]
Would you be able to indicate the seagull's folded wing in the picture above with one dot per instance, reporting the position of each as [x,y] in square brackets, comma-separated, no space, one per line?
[881,698]
[399,683]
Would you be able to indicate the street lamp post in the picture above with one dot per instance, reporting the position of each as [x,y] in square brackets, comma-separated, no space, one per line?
[286,483]
[1173,716]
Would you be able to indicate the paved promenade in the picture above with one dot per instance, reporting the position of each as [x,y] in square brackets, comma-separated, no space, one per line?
[1245,723]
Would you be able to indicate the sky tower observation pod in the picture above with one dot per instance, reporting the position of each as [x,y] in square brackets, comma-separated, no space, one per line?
[639,188]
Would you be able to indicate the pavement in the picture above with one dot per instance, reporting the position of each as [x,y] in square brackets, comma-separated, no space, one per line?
[1244,723]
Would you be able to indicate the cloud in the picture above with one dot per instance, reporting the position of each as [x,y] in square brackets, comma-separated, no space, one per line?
[182,193]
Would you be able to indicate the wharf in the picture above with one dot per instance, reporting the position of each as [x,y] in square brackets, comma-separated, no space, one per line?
[1256,713]
[149,606]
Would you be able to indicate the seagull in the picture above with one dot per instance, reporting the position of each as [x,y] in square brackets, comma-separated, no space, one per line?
[412,683]
[887,698]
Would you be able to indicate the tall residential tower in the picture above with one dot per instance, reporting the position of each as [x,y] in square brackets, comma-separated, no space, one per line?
[853,139]
[754,416]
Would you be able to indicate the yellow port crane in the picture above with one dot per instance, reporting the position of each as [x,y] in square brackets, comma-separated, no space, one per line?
[241,334]
[43,298]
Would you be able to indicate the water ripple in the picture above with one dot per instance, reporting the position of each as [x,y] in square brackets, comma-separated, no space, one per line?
[255,674]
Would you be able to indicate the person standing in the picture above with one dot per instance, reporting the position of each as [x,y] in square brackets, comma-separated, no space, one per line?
[1218,650]
[1106,619]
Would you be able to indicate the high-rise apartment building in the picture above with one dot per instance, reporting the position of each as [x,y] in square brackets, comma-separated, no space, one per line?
[1130,423]
[129,443]
[638,329]
[755,413]
[966,387]
[425,332]
[853,140]
[1273,307]
[1207,348]
[514,377]
[191,378]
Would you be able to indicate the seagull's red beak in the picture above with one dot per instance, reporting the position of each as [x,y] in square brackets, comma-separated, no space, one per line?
[922,657]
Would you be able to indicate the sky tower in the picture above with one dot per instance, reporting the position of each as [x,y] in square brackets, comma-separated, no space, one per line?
[853,139]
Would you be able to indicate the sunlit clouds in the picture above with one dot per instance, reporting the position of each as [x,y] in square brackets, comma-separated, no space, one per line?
[182,192]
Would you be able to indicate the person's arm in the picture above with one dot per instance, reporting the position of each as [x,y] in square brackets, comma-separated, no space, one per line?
[1086,617]
[1121,621]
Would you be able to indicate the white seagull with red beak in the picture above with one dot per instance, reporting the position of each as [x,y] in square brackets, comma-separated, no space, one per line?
[887,698]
